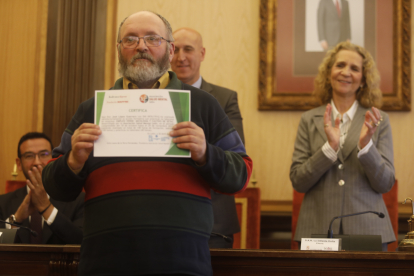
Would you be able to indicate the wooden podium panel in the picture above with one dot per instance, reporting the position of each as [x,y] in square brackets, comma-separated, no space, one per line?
[248,212]
[295,262]
[25,259]
[63,260]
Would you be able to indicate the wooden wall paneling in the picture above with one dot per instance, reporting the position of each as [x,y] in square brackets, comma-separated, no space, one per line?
[22,54]
[41,72]
[52,26]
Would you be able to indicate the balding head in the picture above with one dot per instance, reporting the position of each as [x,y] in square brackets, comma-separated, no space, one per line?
[168,29]
[188,55]
[190,34]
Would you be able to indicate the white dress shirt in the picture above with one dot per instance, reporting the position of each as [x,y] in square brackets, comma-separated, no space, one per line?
[344,126]
[49,221]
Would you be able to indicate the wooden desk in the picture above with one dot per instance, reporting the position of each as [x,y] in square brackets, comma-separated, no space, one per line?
[19,259]
[295,262]
[63,260]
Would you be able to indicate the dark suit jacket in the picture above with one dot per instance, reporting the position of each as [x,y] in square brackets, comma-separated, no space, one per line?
[228,101]
[65,229]
[224,207]
[331,27]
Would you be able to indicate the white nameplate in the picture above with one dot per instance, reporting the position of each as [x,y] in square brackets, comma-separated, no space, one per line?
[321,244]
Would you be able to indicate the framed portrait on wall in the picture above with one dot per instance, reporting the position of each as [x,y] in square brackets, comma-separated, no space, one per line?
[295,35]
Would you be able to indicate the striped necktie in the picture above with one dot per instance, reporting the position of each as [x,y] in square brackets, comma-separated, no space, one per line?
[338,8]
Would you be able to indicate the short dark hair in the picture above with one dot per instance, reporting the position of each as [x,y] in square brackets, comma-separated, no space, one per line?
[32,135]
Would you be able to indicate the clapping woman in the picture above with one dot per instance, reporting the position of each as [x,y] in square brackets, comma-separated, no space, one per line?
[343,156]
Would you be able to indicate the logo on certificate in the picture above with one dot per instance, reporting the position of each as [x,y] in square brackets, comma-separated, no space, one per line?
[143,98]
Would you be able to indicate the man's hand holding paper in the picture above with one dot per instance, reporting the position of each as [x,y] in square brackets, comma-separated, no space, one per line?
[191,137]
[82,145]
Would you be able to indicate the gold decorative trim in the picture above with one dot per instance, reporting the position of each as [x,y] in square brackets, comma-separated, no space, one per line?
[243,226]
[110,49]
[269,99]
[276,206]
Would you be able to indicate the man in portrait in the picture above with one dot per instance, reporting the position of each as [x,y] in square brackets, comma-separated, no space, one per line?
[333,22]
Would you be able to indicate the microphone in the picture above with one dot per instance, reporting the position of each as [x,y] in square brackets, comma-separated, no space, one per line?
[34,233]
[226,238]
[330,231]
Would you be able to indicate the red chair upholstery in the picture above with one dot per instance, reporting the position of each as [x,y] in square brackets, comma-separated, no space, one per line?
[296,203]
[248,211]
[390,199]
[12,185]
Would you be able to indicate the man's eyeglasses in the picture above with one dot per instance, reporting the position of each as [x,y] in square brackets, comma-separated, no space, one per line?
[30,156]
[150,40]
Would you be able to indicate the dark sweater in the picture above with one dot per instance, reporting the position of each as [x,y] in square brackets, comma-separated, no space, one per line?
[151,215]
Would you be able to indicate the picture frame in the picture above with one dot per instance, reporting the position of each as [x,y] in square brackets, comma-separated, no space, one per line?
[271,98]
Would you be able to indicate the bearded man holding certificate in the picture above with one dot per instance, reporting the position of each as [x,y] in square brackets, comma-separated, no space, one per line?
[149,215]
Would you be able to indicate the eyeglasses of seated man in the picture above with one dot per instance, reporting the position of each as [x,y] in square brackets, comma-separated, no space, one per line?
[130,42]
[43,155]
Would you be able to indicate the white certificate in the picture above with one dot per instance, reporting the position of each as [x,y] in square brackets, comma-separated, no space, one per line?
[137,122]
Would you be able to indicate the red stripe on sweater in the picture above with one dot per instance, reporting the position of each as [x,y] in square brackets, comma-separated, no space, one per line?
[249,167]
[126,176]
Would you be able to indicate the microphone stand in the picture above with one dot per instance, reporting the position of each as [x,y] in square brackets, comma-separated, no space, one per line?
[226,238]
[330,231]
[34,233]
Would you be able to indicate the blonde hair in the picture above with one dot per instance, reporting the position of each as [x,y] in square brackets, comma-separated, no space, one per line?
[369,95]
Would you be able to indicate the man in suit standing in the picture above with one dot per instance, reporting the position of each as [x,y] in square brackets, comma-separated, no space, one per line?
[188,55]
[333,22]
[55,222]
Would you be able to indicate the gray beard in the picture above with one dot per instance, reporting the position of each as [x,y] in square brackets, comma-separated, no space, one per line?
[139,72]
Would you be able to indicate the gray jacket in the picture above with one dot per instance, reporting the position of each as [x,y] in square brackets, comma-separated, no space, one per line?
[365,178]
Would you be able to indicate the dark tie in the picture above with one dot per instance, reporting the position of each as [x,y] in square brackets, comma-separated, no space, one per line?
[36,225]
[338,9]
